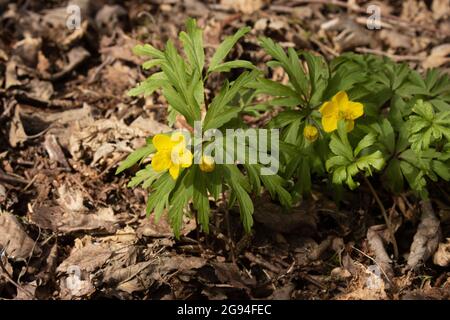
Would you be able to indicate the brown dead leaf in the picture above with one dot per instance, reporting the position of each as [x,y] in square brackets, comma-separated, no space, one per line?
[366,284]
[14,239]
[64,221]
[427,237]
[27,49]
[395,40]
[229,273]
[441,9]
[271,215]
[438,57]
[350,34]
[11,79]
[88,258]
[149,228]
[54,150]
[377,236]
[244,6]
[111,17]
[442,255]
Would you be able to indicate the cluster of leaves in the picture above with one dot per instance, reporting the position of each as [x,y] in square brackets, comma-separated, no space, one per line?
[182,80]
[404,134]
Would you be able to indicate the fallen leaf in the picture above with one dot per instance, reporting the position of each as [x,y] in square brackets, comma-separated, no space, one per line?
[438,57]
[442,255]
[426,239]
[441,9]
[14,239]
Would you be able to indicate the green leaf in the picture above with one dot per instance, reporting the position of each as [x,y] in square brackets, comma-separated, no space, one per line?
[179,200]
[158,199]
[146,176]
[227,66]
[225,47]
[135,157]
[365,142]
[240,186]
[228,92]
[193,45]
[148,50]
[200,199]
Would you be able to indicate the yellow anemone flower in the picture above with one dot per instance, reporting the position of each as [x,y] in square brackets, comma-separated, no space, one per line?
[340,108]
[310,133]
[171,153]
[207,164]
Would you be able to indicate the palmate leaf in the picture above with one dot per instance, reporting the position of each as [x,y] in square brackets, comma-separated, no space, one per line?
[346,163]
[426,126]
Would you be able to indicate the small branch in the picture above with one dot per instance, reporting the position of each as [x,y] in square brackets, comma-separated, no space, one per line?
[385,216]
[393,57]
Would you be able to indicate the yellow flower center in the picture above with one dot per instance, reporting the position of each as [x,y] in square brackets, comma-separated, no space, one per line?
[345,115]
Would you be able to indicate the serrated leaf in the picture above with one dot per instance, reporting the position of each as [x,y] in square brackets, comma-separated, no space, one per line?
[227,66]
[135,157]
[225,47]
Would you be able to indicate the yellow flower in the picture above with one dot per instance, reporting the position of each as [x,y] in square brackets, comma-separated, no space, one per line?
[207,164]
[340,108]
[171,153]
[310,133]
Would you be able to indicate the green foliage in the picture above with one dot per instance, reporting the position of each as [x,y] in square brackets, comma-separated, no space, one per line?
[347,162]
[403,136]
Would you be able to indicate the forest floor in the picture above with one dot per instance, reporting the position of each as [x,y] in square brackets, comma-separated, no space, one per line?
[71,229]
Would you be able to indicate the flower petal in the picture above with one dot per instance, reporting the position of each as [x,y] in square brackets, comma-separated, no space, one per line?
[328,109]
[186,158]
[162,142]
[174,171]
[329,123]
[178,139]
[161,161]
[355,109]
[341,99]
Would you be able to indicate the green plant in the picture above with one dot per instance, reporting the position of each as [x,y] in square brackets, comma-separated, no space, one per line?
[344,121]
[176,183]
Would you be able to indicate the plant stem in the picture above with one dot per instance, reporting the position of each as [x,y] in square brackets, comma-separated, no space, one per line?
[228,226]
[385,216]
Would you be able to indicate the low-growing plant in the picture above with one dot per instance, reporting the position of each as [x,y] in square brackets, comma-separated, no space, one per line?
[342,121]
[174,177]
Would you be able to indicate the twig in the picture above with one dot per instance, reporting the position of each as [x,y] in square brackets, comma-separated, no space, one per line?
[12,179]
[394,57]
[386,218]
[250,256]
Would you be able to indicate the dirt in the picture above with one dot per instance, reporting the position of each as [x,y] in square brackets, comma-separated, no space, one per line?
[71,229]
